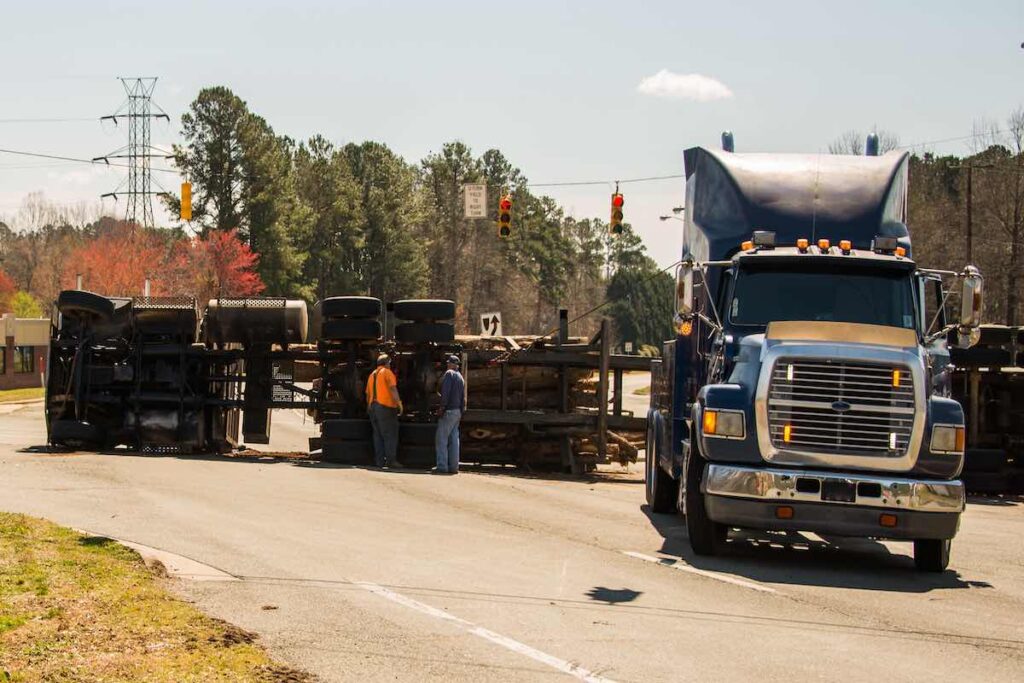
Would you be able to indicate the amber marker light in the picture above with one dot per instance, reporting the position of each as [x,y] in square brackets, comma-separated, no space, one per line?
[824,245]
[784,512]
[901,252]
[787,433]
[802,244]
[845,245]
[896,379]
[710,421]
[887,520]
[747,246]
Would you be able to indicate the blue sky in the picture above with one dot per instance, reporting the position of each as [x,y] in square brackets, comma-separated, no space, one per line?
[554,85]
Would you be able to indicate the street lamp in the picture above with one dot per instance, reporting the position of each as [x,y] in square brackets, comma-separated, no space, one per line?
[675,218]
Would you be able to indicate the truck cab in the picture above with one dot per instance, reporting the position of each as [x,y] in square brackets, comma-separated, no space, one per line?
[807,387]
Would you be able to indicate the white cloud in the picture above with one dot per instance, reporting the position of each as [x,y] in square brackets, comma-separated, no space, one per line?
[696,87]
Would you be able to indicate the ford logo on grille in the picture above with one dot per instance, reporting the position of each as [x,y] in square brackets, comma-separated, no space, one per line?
[841,406]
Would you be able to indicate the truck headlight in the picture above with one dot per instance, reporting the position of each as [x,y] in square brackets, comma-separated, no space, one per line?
[728,424]
[947,439]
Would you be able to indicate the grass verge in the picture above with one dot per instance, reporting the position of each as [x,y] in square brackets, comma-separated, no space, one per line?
[78,608]
[642,391]
[8,395]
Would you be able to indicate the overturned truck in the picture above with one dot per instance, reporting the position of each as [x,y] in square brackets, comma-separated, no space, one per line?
[157,375]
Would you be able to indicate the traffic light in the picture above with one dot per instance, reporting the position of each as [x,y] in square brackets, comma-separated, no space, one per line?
[186,201]
[615,227]
[505,216]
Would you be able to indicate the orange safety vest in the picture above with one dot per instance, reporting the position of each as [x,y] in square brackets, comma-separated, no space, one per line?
[378,387]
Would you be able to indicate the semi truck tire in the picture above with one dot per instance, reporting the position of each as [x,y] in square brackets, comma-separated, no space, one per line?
[348,452]
[417,456]
[660,488]
[417,433]
[75,434]
[420,333]
[350,307]
[704,533]
[347,430]
[346,329]
[74,301]
[424,310]
[932,554]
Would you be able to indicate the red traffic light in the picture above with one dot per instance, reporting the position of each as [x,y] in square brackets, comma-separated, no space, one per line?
[617,200]
[505,204]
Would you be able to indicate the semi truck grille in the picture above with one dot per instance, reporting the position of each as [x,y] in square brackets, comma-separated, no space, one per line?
[841,407]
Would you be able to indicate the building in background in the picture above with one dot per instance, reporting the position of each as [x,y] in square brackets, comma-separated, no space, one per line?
[26,350]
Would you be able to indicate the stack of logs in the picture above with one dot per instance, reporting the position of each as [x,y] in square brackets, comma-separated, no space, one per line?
[534,388]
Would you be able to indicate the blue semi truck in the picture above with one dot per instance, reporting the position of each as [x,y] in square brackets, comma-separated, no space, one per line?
[808,385]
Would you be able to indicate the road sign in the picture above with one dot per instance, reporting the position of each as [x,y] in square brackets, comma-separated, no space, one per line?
[628,347]
[476,200]
[490,325]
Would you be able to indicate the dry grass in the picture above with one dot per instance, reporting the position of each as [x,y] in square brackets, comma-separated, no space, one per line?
[29,394]
[76,608]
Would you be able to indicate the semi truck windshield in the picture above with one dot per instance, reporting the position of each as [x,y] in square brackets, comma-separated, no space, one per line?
[875,297]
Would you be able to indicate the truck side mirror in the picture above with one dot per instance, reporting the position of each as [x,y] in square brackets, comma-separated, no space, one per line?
[971,300]
[684,289]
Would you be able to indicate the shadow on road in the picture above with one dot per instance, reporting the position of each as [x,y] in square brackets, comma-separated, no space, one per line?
[795,558]
[303,459]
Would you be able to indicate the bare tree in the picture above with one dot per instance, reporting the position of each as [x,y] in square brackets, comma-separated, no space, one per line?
[853,142]
[999,196]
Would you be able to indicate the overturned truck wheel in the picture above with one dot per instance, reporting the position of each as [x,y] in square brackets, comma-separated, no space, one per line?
[419,333]
[424,310]
[350,307]
[350,329]
[347,430]
[347,452]
[75,434]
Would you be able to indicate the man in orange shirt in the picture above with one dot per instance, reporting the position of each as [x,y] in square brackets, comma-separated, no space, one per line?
[384,406]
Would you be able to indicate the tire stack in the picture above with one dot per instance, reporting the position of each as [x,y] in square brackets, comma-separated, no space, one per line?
[350,319]
[416,444]
[347,442]
[425,321]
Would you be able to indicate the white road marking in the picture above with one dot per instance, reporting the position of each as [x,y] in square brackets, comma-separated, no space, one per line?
[508,643]
[682,566]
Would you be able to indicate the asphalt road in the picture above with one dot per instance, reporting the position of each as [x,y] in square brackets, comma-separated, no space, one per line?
[355,574]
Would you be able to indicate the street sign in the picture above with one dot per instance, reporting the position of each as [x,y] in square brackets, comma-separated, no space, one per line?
[476,200]
[490,325]
[628,347]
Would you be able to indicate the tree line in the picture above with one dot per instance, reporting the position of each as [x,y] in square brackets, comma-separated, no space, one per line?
[316,219]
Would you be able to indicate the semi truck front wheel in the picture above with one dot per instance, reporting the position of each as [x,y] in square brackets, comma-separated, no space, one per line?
[932,554]
[659,486]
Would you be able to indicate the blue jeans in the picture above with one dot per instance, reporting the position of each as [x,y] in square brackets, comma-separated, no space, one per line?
[446,441]
[385,434]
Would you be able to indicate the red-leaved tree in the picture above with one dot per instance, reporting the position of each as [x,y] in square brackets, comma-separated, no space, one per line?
[215,266]
[7,290]
[118,261]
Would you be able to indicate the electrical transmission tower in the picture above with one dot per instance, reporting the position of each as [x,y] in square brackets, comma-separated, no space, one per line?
[138,110]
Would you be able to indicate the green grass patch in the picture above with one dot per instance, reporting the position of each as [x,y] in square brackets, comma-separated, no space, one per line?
[77,608]
[642,391]
[9,395]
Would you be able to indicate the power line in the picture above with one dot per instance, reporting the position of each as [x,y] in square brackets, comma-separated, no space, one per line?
[46,120]
[94,162]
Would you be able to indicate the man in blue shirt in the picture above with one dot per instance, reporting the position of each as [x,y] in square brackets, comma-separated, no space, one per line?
[453,403]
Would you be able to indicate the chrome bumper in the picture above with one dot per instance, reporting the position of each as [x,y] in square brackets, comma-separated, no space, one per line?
[781,485]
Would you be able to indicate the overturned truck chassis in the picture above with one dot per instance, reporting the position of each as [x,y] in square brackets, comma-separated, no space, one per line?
[152,374]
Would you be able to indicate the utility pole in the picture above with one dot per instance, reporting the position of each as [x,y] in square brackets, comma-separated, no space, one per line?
[970,227]
[137,187]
